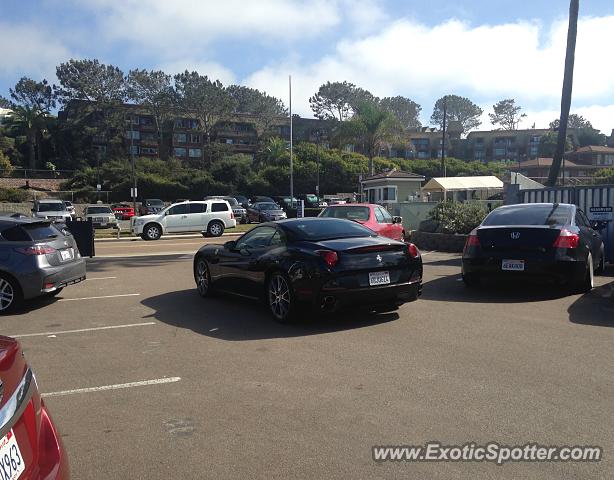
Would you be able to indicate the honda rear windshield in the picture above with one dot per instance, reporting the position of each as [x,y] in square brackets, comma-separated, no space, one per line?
[29,232]
[360,214]
[326,229]
[51,207]
[529,215]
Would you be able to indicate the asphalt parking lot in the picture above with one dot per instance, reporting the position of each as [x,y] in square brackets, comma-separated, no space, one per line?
[147,380]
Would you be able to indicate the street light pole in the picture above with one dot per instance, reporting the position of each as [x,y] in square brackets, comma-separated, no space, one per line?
[133,168]
[443,138]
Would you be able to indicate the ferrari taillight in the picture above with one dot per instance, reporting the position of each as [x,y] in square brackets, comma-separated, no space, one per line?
[330,257]
[412,250]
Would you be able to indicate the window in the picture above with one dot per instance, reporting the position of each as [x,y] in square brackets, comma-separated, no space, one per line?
[192,124]
[181,209]
[379,216]
[259,237]
[389,194]
[24,233]
[529,215]
[194,138]
[423,154]
[387,216]
[534,150]
[219,207]
[197,207]
[180,123]
[98,210]
[608,159]
[179,137]
[195,153]
[580,219]
[349,213]
[149,150]
[146,121]
[479,141]
[535,138]
[133,134]
[179,152]
[370,194]
[499,152]
[318,229]
[277,239]
[134,149]
[478,155]
[229,141]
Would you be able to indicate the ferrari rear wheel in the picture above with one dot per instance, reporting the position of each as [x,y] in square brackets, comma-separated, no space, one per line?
[202,278]
[280,297]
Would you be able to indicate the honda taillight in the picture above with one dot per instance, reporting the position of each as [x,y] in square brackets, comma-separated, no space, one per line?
[330,257]
[567,239]
[36,250]
[412,250]
[472,240]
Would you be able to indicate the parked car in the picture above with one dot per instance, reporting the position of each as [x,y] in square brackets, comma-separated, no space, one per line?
[30,445]
[286,202]
[242,199]
[36,259]
[123,211]
[209,217]
[239,212]
[50,209]
[265,212]
[545,241]
[311,200]
[261,199]
[323,263]
[370,215]
[70,208]
[151,206]
[101,216]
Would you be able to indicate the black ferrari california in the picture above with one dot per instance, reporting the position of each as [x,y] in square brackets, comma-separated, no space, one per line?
[324,263]
[544,241]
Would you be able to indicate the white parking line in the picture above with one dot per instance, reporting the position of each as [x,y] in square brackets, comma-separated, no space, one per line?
[80,330]
[118,386]
[134,255]
[101,278]
[96,298]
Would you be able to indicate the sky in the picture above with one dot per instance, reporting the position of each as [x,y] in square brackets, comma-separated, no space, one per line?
[486,50]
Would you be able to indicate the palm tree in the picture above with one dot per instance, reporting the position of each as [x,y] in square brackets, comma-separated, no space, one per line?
[28,122]
[371,126]
[572,33]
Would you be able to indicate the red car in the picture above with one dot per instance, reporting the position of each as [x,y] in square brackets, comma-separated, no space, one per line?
[123,211]
[371,216]
[30,445]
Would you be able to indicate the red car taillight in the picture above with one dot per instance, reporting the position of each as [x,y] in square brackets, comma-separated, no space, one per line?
[232,215]
[36,250]
[472,240]
[330,257]
[412,250]
[567,239]
[49,445]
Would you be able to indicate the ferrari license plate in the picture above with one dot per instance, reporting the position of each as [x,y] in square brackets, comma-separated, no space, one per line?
[512,265]
[12,464]
[379,278]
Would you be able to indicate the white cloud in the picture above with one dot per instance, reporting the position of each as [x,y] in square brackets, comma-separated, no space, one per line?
[483,63]
[26,50]
[186,26]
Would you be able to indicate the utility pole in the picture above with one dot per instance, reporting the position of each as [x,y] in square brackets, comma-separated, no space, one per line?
[572,33]
[318,164]
[291,159]
[443,137]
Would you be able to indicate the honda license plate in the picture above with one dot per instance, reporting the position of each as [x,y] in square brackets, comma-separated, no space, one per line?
[12,464]
[66,254]
[512,265]
[379,278]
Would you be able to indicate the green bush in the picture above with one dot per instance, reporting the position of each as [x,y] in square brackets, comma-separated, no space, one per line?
[454,217]
[13,195]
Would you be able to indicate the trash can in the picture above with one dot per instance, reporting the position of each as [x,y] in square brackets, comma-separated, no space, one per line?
[83,231]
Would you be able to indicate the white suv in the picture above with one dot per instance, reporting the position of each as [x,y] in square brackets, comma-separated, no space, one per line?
[210,217]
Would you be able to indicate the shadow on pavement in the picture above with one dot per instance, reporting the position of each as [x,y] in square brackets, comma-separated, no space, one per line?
[447,262]
[101,265]
[594,308]
[236,319]
[450,288]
